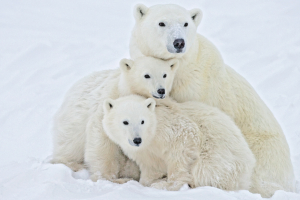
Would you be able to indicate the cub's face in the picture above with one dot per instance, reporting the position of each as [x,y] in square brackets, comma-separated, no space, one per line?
[165,29]
[148,76]
[130,121]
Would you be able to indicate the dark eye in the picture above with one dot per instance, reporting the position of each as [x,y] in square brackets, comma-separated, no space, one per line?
[147,76]
[161,24]
[142,122]
[165,76]
[186,24]
[125,122]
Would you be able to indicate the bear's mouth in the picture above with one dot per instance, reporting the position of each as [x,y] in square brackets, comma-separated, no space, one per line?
[159,97]
[174,51]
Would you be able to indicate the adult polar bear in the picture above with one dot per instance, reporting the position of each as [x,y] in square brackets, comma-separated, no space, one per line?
[169,31]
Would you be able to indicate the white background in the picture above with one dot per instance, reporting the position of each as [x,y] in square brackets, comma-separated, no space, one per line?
[45,46]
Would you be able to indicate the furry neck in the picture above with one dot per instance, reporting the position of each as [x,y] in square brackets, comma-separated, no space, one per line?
[123,86]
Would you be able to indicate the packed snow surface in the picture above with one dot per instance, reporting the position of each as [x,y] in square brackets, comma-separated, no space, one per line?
[45,46]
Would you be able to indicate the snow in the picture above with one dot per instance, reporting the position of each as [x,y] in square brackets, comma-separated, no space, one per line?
[45,46]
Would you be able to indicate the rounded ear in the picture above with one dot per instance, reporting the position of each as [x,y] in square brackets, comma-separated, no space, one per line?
[108,105]
[196,15]
[150,103]
[173,64]
[140,11]
[126,64]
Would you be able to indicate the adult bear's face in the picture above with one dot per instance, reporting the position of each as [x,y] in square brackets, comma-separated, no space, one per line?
[165,29]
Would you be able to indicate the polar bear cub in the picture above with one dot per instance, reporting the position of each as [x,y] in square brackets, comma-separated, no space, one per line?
[190,143]
[79,138]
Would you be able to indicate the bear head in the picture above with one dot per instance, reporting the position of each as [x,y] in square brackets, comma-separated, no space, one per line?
[148,76]
[165,31]
[130,121]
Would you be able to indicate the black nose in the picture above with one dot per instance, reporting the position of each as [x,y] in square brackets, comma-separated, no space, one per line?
[137,141]
[179,44]
[161,91]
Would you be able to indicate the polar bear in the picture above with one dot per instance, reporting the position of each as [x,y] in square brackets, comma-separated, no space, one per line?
[189,143]
[78,142]
[169,31]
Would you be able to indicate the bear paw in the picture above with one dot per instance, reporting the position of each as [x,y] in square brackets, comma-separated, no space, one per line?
[75,166]
[165,185]
[95,177]
[121,180]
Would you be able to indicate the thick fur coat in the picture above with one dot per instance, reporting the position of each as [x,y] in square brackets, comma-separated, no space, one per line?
[203,76]
[79,138]
[189,143]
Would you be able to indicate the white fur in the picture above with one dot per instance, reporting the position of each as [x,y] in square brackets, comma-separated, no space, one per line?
[203,76]
[190,143]
[78,133]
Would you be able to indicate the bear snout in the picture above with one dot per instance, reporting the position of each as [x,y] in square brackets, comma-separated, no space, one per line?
[137,141]
[161,91]
[179,44]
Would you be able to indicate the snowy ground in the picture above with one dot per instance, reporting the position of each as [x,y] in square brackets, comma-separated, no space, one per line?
[45,46]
